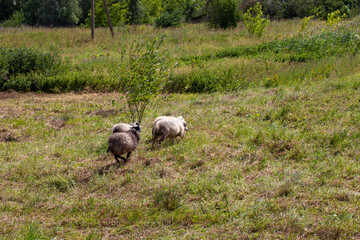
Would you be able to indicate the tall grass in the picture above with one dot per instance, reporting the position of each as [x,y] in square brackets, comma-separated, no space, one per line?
[208,60]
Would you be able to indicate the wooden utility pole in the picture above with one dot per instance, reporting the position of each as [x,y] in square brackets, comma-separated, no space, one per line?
[92,19]
[108,17]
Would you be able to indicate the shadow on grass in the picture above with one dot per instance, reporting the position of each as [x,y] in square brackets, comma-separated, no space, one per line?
[159,145]
[103,170]
[108,168]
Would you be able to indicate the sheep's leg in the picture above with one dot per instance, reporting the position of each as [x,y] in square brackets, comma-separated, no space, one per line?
[163,138]
[153,142]
[127,156]
[117,158]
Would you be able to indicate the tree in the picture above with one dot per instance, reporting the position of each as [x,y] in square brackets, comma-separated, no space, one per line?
[135,12]
[30,9]
[143,73]
[118,10]
[85,6]
[254,21]
[51,11]
[7,8]
[222,13]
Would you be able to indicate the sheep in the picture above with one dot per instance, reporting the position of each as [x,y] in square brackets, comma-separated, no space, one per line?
[120,143]
[163,117]
[168,127]
[123,127]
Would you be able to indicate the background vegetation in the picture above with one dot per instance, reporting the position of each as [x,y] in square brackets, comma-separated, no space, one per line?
[55,60]
[162,13]
[272,149]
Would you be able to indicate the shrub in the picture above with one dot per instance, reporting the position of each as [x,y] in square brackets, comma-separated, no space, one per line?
[143,73]
[297,8]
[246,4]
[28,60]
[16,20]
[304,24]
[278,9]
[334,18]
[222,14]
[254,21]
[167,19]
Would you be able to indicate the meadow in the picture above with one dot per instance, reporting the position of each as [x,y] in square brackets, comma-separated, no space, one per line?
[272,150]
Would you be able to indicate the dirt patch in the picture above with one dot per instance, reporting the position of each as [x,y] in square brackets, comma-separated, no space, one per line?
[7,95]
[57,124]
[104,113]
[7,136]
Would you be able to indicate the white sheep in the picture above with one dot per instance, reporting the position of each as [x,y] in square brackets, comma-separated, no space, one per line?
[123,127]
[163,117]
[124,142]
[168,127]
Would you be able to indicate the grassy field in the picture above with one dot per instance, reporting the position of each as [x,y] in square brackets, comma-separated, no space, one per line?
[278,159]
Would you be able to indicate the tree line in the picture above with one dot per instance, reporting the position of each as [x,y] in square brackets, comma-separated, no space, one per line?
[161,13]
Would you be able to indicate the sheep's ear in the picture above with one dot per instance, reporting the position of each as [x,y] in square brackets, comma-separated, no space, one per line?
[114,129]
[181,117]
[137,128]
[134,124]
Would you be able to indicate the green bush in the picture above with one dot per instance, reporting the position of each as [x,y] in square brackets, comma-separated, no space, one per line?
[334,18]
[254,21]
[143,72]
[167,19]
[222,14]
[17,64]
[279,9]
[28,60]
[66,82]
[16,20]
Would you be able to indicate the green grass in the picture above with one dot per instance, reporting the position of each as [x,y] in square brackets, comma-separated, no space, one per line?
[259,163]
[274,154]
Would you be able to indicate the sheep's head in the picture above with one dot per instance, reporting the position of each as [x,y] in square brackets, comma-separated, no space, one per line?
[136,128]
[134,124]
[185,126]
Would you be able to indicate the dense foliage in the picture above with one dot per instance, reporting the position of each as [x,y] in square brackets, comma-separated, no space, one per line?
[50,12]
[279,9]
[16,64]
[117,10]
[222,13]
[165,13]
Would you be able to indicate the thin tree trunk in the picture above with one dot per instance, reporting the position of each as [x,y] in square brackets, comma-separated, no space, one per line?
[108,17]
[92,19]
